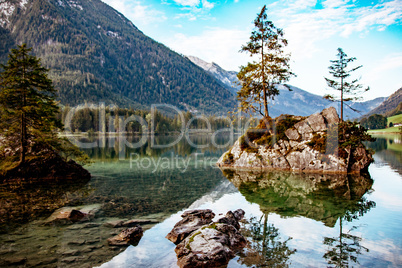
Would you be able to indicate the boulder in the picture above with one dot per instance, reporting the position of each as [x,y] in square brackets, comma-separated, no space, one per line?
[233,218]
[303,127]
[192,220]
[316,122]
[330,115]
[130,236]
[292,134]
[214,244]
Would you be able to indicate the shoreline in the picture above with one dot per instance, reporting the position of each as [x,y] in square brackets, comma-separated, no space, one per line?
[115,134]
[297,171]
[383,132]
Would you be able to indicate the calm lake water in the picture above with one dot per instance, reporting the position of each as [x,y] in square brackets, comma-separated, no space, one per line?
[292,220]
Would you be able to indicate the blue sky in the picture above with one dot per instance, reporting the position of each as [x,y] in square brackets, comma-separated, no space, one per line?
[214,31]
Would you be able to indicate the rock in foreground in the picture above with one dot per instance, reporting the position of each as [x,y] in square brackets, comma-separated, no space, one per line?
[192,220]
[209,245]
[318,143]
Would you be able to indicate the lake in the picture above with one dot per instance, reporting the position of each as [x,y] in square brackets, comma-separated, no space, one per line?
[292,220]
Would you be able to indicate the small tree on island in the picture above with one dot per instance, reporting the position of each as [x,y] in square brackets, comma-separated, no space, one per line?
[28,122]
[259,79]
[340,72]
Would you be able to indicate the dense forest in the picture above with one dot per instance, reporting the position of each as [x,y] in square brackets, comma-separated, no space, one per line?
[95,54]
[374,121]
[93,119]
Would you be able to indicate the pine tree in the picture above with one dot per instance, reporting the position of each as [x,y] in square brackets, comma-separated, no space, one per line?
[259,79]
[340,72]
[27,104]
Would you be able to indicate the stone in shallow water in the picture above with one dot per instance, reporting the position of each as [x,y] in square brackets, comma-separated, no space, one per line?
[68,215]
[212,245]
[114,224]
[192,220]
[130,236]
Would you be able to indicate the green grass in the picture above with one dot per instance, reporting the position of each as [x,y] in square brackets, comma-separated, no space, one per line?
[385,130]
[395,119]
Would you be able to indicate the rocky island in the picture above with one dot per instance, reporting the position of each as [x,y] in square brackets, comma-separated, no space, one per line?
[318,143]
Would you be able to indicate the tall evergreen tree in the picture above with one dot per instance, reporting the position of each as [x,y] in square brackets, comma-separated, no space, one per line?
[27,104]
[340,71]
[259,79]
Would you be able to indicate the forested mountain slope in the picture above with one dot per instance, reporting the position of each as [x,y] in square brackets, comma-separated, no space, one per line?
[95,54]
[390,106]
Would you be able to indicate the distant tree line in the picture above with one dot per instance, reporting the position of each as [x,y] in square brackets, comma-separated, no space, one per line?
[97,119]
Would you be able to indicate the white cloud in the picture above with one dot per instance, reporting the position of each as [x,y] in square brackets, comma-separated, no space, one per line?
[191,3]
[207,4]
[389,63]
[217,45]
[137,12]
[305,28]
[194,9]
[380,15]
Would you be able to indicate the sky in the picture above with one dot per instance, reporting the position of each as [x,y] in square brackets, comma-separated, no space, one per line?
[215,30]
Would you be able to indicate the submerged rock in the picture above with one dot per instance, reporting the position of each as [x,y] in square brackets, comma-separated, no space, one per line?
[309,144]
[130,236]
[213,244]
[69,215]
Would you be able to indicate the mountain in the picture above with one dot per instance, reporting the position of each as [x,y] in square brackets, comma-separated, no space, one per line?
[296,102]
[228,78]
[390,106]
[97,55]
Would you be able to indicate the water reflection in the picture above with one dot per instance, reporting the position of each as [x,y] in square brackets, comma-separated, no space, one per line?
[318,225]
[118,190]
[121,147]
[388,150]
[265,248]
[345,248]
[321,197]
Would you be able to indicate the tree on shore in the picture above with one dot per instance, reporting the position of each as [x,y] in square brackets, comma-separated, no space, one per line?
[374,121]
[259,79]
[28,110]
[340,71]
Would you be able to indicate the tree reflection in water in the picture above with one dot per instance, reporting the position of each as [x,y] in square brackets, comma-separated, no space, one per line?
[346,248]
[265,248]
[321,197]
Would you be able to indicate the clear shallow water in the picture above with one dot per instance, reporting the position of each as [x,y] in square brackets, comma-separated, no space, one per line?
[307,225]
